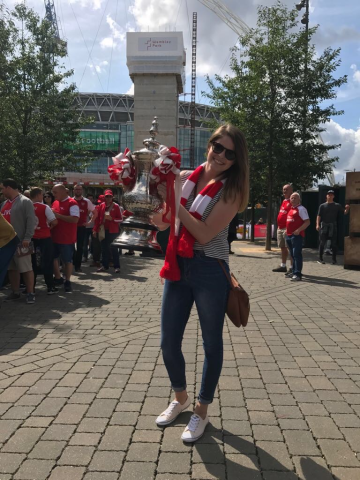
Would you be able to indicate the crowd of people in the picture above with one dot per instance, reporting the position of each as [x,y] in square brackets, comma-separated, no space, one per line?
[53,233]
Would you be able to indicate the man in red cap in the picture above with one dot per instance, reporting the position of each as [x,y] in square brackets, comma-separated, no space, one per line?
[106,227]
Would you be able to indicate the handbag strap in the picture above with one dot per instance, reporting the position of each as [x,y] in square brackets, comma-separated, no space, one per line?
[226,273]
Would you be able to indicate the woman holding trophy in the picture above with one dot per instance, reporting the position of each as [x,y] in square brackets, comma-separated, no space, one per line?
[211,195]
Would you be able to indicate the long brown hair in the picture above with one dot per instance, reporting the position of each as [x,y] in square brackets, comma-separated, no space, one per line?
[237,176]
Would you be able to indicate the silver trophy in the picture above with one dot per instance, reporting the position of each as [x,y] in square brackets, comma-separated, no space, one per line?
[142,199]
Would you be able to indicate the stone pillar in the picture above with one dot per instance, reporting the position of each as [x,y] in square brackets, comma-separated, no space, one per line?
[156,65]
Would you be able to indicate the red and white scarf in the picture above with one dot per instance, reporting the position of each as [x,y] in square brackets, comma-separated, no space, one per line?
[182,243]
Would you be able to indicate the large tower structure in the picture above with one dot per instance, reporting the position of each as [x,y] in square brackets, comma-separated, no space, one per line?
[50,14]
[156,64]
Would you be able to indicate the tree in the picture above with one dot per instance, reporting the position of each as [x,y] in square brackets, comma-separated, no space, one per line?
[38,116]
[276,95]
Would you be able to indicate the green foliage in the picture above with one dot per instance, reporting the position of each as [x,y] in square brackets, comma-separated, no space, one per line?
[38,115]
[276,95]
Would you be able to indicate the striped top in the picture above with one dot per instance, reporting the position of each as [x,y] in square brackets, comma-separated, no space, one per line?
[218,247]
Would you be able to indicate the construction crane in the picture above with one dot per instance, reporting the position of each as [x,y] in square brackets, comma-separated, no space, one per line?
[193,92]
[50,15]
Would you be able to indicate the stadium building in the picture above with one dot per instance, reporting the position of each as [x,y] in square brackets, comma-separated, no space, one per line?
[112,131]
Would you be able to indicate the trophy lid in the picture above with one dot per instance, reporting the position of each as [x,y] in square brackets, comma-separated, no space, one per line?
[151,145]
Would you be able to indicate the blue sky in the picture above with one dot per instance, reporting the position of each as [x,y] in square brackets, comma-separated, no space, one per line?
[96,34]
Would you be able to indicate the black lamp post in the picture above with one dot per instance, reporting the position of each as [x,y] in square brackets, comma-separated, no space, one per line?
[305,18]
[305,21]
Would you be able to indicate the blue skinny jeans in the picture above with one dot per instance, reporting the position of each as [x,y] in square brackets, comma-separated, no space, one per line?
[203,282]
[295,244]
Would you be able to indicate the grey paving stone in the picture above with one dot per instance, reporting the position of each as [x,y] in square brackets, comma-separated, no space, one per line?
[59,432]
[124,418]
[85,439]
[102,408]
[92,425]
[274,456]
[7,428]
[280,476]
[133,471]
[116,438]
[38,422]
[34,469]
[67,473]
[71,414]
[343,473]
[171,441]
[346,420]
[23,440]
[312,467]
[107,461]
[76,455]
[46,450]
[338,454]
[300,442]
[209,471]
[147,436]
[174,463]
[50,407]
[235,427]
[203,453]
[18,413]
[243,466]
[101,476]
[10,462]
[164,476]
[323,427]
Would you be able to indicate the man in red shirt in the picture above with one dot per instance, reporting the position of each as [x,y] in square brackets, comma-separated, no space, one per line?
[67,212]
[281,229]
[297,222]
[43,256]
[107,226]
[85,206]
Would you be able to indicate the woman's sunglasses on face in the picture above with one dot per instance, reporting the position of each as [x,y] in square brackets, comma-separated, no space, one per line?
[218,148]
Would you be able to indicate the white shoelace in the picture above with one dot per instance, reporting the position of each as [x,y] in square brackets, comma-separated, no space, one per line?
[194,422]
[170,408]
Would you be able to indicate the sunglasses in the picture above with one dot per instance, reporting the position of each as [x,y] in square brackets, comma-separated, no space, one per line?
[218,148]
[47,196]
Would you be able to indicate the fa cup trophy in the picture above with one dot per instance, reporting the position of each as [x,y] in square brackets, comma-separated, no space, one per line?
[140,172]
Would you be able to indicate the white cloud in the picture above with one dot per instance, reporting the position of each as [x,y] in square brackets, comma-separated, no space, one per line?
[356,74]
[131,90]
[95,4]
[118,36]
[99,68]
[349,152]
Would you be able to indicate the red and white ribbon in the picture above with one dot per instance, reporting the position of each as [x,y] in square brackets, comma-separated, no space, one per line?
[169,161]
[123,168]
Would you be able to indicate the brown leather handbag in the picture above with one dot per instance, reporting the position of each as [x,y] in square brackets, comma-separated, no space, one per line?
[238,306]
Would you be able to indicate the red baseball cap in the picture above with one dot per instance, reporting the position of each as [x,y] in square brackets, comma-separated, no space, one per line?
[101,199]
[108,192]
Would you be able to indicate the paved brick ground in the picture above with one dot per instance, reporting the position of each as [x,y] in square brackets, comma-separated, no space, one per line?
[82,380]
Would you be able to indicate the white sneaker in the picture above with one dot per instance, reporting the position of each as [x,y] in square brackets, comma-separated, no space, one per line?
[195,428]
[172,412]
